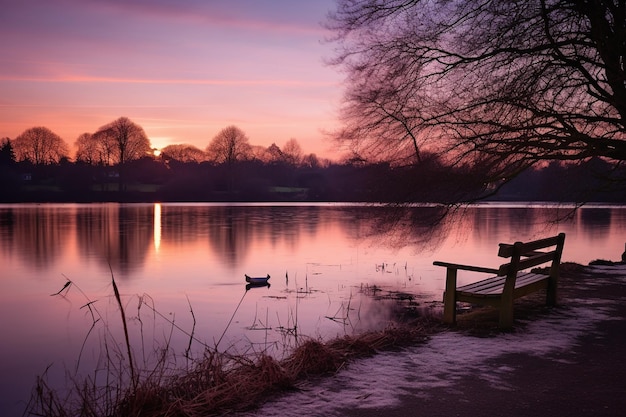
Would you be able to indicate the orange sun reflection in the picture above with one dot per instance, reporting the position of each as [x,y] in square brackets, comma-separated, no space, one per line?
[157,227]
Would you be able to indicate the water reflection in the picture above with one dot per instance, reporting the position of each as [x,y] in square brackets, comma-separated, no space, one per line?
[157,227]
[117,235]
[325,262]
[7,231]
[423,228]
[594,223]
[124,236]
[40,234]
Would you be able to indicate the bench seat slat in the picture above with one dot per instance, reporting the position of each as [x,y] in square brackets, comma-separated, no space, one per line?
[483,285]
[495,285]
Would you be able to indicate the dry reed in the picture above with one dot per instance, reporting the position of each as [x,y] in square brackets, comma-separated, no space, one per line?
[216,383]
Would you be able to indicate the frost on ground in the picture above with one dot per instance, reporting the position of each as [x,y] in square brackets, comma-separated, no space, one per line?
[381,381]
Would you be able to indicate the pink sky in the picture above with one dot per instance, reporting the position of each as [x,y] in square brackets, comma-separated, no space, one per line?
[182,69]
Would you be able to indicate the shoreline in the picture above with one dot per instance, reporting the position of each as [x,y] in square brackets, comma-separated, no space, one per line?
[424,367]
[563,361]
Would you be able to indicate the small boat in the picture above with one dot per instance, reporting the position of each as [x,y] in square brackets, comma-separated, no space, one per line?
[257,285]
[257,280]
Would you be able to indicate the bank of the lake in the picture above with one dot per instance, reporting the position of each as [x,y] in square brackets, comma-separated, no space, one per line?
[563,361]
[557,361]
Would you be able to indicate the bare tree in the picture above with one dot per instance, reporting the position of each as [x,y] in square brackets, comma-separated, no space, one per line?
[292,152]
[93,150]
[183,153]
[311,161]
[274,154]
[259,153]
[229,146]
[495,85]
[85,149]
[119,142]
[124,139]
[40,146]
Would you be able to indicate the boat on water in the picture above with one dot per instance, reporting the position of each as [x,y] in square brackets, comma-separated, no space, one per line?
[249,286]
[257,280]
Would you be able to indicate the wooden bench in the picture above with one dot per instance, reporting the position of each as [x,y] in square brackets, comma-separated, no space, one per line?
[510,282]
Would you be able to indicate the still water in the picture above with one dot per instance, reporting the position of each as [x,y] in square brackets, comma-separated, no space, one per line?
[335,269]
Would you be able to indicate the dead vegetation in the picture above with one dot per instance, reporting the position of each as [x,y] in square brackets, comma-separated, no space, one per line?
[216,383]
[220,383]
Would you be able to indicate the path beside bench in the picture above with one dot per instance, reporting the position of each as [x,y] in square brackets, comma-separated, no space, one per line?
[588,380]
[563,361]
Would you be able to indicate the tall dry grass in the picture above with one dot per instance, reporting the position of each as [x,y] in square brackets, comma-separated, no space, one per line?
[216,383]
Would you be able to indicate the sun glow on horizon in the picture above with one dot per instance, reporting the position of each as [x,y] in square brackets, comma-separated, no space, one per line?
[182,73]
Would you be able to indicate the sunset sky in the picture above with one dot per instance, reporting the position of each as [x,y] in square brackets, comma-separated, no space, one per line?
[182,69]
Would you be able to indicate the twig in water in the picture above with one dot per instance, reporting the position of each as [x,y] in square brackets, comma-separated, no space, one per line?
[125,325]
[193,329]
[158,313]
[267,312]
[88,305]
[93,325]
[82,348]
[67,284]
[143,344]
[231,319]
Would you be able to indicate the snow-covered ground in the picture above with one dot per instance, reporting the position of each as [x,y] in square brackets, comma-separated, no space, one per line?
[381,381]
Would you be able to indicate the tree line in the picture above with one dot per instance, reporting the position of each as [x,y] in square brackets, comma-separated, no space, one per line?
[184,173]
[123,140]
[115,150]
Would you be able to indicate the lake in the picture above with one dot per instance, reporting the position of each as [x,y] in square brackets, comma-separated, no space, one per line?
[335,269]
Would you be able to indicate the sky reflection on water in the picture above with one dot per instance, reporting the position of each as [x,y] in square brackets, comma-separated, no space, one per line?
[326,262]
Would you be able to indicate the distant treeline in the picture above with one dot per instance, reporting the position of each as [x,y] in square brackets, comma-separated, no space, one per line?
[151,179]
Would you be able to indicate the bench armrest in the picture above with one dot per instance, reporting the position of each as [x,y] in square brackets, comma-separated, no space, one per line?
[449,296]
[466,267]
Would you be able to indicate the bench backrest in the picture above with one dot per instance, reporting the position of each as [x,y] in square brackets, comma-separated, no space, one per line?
[525,255]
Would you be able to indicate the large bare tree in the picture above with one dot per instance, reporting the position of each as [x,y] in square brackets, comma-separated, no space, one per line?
[183,153]
[40,146]
[94,150]
[495,85]
[229,146]
[273,154]
[124,139]
[292,152]
[118,143]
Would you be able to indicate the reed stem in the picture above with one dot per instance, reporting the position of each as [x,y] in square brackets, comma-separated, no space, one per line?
[125,325]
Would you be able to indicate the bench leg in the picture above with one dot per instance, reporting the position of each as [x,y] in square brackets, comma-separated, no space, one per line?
[506,315]
[449,301]
[551,292]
